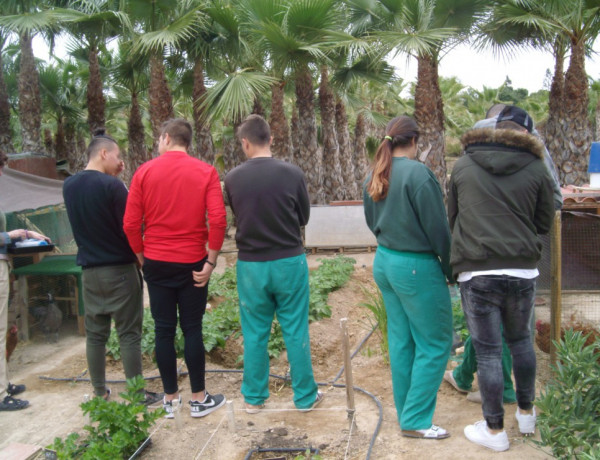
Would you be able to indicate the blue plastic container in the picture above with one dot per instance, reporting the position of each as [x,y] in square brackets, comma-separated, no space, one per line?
[594,166]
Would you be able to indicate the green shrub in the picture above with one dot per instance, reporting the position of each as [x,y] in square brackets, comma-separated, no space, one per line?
[116,429]
[569,406]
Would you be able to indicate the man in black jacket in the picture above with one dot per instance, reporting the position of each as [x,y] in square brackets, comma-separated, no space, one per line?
[500,201]
[112,286]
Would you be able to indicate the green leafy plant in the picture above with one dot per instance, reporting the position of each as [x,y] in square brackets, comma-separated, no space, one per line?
[569,406]
[376,306]
[459,323]
[308,455]
[116,429]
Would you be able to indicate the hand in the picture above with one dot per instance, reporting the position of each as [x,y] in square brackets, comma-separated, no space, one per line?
[25,234]
[202,277]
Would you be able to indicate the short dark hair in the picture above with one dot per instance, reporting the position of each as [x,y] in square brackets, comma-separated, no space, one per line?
[255,129]
[179,130]
[3,159]
[100,140]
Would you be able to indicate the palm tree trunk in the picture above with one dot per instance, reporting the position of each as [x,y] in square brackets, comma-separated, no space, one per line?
[136,150]
[310,159]
[295,132]
[332,170]
[160,99]
[60,143]
[360,151]
[281,146]
[96,102]
[6,145]
[576,125]
[429,114]
[71,146]
[30,105]
[205,148]
[552,132]
[350,190]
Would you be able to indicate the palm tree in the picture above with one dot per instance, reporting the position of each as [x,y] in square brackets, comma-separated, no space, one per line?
[61,96]
[130,73]
[354,71]
[26,18]
[6,144]
[425,29]
[575,24]
[333,180]
[158,26]
[95,25]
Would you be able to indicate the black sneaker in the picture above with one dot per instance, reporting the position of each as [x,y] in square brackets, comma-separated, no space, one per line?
[151,398]
[210,404]
[9,404]
[14,390]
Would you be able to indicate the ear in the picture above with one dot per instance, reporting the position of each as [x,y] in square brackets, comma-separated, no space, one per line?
[271,141]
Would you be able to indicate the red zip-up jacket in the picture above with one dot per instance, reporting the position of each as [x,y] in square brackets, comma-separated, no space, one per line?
[171,201]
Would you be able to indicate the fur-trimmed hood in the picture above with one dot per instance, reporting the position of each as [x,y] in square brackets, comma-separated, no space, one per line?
[502,151]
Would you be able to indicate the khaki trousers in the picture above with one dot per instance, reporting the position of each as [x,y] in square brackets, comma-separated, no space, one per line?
[4,272]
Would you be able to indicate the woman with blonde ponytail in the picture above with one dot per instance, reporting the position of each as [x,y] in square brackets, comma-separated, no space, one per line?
[404,208]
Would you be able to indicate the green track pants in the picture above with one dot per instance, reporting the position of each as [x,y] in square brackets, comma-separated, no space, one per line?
[419,315]
[278,287]
[463,374]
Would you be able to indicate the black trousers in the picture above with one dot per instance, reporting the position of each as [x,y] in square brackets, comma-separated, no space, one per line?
[172,295]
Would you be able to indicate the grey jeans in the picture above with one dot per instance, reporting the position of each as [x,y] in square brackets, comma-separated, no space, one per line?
[113,292]
[488,302]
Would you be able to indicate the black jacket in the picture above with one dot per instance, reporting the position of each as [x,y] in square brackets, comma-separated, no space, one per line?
[499,202]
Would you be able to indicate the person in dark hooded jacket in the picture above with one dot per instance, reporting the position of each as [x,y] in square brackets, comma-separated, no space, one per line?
[500,201]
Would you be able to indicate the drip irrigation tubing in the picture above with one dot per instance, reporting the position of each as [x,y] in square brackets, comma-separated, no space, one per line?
[281,377]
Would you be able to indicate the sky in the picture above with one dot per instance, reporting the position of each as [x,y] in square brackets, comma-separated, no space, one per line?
[526,69]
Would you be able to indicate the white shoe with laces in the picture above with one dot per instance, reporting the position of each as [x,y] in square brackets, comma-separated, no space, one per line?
[480,434]
[526,422]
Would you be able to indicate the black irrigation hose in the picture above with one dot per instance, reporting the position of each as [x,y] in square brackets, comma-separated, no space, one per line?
[339,374]
[281,377]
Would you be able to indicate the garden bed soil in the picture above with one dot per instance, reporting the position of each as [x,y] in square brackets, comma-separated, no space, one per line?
[54,409]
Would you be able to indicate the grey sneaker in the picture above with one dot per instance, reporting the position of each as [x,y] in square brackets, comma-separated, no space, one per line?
[210,404]
[170,408]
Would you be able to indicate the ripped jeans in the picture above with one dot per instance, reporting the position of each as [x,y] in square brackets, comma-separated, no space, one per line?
[489,301]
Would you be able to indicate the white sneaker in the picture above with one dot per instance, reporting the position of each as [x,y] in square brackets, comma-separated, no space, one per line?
[526,422]
[479,434]
[171,406]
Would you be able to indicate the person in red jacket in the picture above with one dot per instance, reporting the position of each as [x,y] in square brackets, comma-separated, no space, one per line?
[175,207]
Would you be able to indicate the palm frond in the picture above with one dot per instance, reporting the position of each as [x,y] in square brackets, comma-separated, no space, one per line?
[171,35]
[233,97]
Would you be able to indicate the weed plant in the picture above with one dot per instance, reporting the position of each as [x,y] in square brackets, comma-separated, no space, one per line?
[116,429]
[569,406]
[376,306]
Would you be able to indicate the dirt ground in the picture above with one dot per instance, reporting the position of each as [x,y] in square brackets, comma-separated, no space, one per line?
[54,409]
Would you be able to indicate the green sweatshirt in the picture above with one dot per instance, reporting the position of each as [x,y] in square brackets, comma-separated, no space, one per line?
[412,217]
